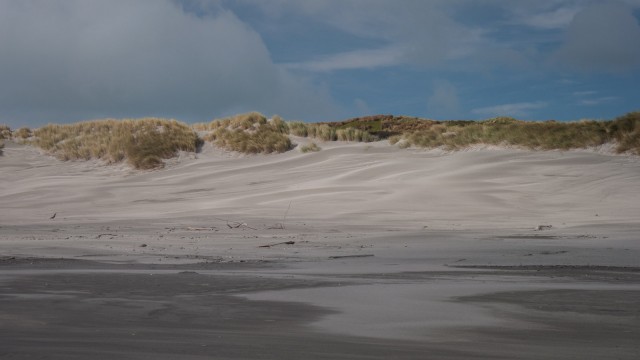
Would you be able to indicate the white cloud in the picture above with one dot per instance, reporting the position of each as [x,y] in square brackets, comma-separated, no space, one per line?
[357,59]
[444,101]
[584,93]
[597,101]
[412,32]
[558,18]
[76,59]
[521,109]
[603,37]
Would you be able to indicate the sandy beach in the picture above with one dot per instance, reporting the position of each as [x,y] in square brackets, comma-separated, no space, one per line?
[358,251]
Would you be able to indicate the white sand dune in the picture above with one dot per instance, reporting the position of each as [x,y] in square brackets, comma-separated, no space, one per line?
[363,184]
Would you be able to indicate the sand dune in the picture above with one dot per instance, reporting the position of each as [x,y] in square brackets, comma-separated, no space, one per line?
[368,184]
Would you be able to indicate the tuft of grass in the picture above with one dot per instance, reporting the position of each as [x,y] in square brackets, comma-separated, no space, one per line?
[626,132]
[352,134]
[143,143]
[311,147]
[23,133]
[322,132]
[5,132]
[250,134]
[298,128]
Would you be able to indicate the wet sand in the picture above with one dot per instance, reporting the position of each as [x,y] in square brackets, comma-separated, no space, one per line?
[66,309]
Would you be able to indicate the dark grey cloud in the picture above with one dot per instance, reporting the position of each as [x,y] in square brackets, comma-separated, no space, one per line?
[67,60]
[604,36]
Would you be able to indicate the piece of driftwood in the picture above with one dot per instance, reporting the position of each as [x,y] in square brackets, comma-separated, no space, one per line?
[350,256]
[276,244]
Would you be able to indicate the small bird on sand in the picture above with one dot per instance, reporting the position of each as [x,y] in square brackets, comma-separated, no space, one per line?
[53,216]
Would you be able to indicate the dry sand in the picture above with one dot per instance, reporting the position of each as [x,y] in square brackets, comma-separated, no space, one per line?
[372,252]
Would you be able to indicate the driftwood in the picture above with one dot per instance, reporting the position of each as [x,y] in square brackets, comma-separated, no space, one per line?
[101,235]
[350,256]
[201,228]
[280,243]
[235,224]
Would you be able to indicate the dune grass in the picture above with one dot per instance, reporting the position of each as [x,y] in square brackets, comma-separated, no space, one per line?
[5,132]
[311,147]
[548,135]
[250,133]
[143,143]
[22,134]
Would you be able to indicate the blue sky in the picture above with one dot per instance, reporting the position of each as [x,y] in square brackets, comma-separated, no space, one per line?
[317,60]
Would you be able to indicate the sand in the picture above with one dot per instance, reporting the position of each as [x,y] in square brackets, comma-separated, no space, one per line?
[356,251]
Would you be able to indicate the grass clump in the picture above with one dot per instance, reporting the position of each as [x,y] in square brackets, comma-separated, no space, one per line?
[322,132]
[143,143]
[22,134]
[626,132]
[311,147]
[5,132]
[352,134]
[250,133]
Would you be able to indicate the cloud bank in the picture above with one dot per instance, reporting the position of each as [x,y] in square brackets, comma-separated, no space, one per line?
[67,60]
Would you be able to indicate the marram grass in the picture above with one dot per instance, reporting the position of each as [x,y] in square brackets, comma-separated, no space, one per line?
[250,133]
[143,143]
[5,132]
[311,147]
[549,135]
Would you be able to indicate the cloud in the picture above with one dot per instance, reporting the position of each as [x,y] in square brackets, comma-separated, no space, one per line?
[409,32]
[357,59]
[550,19]
[597,101]
[602,37]
[521,109]
[70,60]
[444,101]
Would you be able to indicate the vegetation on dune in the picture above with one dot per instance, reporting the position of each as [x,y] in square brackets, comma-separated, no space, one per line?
[5,132]
[626,132]
[143,143]
[548,135]
[311,147]
[250,133]
[22,134]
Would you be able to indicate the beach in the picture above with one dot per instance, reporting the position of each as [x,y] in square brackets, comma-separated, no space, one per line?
[357,251]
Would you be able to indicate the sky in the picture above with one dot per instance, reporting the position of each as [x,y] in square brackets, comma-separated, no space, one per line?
[64,61]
